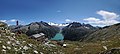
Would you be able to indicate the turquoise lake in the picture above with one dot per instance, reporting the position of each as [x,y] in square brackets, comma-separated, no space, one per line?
[58,36]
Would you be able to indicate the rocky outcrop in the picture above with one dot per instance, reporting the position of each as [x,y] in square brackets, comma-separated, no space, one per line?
[2,24]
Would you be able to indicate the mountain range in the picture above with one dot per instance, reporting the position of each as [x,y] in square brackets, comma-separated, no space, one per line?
[71,31]
[36,28]
[79,38]
[75,30]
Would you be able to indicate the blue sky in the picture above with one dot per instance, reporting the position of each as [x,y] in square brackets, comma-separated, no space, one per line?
[59,11]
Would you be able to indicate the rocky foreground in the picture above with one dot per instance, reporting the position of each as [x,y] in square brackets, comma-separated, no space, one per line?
[21,44]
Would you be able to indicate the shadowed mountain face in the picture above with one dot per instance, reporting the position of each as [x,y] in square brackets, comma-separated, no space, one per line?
[106,33]
[76,31]
[36,28]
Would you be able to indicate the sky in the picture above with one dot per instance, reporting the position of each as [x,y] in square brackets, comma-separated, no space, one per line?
[94,12]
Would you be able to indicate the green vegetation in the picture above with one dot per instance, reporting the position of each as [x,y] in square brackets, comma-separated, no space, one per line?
[102,41]
[107,33]
[22,44]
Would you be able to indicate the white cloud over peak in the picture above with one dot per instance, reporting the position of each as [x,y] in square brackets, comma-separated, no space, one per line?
[92,19]
[12,20]
[109,18]
[107,15]
[3,20]
[68,20]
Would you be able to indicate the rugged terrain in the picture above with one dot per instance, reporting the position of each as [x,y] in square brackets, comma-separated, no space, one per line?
[102,41]
[36,28]
[10,44]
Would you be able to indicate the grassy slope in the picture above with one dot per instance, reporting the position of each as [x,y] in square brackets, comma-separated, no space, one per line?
[24,41]
[17,44]
[104,34]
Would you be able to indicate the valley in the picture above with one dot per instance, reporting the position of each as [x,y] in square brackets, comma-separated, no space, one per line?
[79,39]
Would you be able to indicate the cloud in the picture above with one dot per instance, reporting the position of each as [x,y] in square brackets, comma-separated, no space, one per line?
[68,20]
[109,18]
[12,20]
[59,11]
[3,20]
[107,15]
[92,19]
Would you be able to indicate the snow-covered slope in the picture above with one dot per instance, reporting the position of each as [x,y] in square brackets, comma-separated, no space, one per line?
[58,25]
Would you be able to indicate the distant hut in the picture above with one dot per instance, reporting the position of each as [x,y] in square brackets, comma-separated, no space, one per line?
[38,37]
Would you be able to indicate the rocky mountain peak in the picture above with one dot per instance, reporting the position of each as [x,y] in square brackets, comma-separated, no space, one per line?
[79,25]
